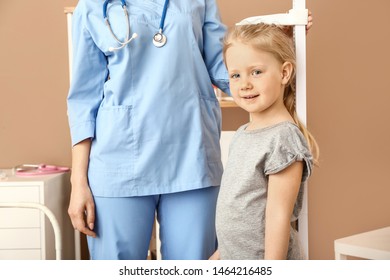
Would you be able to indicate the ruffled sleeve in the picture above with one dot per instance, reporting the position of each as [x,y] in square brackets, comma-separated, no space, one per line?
[289,146]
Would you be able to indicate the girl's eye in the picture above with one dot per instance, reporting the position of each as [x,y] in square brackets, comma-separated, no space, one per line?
[234,76]
[256,72]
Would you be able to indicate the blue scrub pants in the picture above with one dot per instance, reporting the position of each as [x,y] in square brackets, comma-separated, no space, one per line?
[187,225]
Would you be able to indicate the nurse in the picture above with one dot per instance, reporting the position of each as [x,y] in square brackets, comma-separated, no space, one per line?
[145,126]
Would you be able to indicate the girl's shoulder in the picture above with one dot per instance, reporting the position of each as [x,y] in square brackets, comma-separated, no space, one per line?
[288,134]
[283,134]
[280,129]
[286,145]
[283,127]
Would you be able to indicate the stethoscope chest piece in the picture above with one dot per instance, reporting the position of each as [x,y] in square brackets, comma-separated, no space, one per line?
[159,39]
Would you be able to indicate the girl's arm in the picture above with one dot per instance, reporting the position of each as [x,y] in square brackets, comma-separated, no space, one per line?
[283,188]
[215,256]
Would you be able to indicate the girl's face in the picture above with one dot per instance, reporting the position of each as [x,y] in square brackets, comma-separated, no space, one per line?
[257,79]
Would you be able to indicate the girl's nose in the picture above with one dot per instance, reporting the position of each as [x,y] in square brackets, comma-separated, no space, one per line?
[245,83]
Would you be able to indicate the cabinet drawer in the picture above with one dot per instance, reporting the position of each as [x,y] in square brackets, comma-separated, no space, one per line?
[19,194]
[28,238]
[19,218]
[20,254]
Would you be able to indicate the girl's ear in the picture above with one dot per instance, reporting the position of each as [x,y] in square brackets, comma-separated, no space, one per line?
[287,69]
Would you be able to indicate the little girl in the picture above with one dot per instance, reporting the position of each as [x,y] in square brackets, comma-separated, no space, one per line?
[271,157]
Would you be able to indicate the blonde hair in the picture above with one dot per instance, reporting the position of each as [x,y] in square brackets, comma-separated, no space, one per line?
[276,40]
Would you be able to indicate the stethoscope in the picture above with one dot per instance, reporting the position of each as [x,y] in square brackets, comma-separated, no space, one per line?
[38,169]
[159,39]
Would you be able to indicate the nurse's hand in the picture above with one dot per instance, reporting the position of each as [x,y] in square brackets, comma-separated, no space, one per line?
[82,208]
[309,22]
[289,29]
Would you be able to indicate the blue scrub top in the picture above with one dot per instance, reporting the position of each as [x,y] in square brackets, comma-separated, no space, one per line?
[151,112]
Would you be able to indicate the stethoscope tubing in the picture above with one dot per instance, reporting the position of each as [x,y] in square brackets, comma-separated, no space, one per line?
[159,39]
[105,4]
[164,14]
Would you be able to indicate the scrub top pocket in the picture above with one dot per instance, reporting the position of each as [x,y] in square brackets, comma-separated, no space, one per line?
[113,146]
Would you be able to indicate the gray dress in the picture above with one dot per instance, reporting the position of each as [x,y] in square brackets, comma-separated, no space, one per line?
[253,155]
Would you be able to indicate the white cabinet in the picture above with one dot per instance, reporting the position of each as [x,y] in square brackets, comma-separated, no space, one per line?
[27,233]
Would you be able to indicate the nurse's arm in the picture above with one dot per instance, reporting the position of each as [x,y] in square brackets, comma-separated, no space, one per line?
[81,208]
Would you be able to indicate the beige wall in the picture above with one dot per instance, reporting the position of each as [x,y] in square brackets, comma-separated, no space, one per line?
[348,99]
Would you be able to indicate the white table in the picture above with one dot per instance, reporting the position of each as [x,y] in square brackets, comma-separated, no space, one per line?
[373,245]
[34,223]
